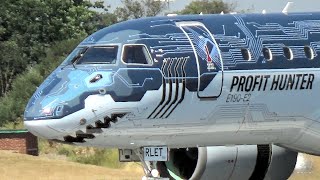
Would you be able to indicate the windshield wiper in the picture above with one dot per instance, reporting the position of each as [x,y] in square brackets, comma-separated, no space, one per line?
[76,58]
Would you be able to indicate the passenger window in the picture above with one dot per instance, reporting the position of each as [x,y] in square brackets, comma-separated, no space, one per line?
[309,52]
[136,54]
[288,53]
[246,54]
[267,54]
[99,55]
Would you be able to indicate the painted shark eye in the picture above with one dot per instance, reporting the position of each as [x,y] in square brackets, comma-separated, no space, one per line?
[96,78]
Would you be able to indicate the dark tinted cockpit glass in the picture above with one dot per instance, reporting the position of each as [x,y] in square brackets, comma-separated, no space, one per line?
[72,55]
[136,54]
[99,55]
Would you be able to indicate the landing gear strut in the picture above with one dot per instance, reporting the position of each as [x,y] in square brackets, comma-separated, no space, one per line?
[136,155]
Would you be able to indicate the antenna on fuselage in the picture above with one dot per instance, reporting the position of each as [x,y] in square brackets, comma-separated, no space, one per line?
[286,8]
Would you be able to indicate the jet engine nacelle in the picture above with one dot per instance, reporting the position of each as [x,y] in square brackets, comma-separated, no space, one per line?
[253,162]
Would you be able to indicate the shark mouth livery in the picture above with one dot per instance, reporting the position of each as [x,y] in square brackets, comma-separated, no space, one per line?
[201,97]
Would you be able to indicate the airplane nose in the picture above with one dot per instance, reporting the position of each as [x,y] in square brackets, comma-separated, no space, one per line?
[41,129]
[57,107]
[64,92]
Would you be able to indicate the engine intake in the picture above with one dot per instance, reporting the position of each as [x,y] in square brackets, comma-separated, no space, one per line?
[253,162]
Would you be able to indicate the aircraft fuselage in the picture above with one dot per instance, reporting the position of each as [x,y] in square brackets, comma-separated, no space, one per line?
[188,81]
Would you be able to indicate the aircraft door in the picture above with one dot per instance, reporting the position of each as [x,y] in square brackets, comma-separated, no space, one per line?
[208,57]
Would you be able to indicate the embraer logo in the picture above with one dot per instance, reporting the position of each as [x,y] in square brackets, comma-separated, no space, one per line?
[272,83]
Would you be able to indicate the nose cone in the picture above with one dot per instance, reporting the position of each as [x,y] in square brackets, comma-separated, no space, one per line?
[48,102]
[42,128]
[64,93]
[52,112]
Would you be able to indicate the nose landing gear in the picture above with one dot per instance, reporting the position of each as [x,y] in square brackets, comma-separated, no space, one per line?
[136,155]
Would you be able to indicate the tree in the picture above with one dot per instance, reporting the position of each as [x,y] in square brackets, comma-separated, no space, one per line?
[105,19]
[134,9]
[13,104]
[29,27]
[35,36]
[208,7]
[11,63]
[33,22]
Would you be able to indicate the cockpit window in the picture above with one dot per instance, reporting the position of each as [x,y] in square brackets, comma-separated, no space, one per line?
[99,55]
[73,55]
[136,54]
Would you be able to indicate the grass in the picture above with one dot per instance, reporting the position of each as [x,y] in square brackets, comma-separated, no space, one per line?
[85,155]
[18,124]
[61,161]
[19,166]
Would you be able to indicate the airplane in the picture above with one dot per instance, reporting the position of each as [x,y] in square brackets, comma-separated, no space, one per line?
[226,96]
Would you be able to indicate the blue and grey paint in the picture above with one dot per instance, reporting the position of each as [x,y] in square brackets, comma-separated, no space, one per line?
[175,59]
